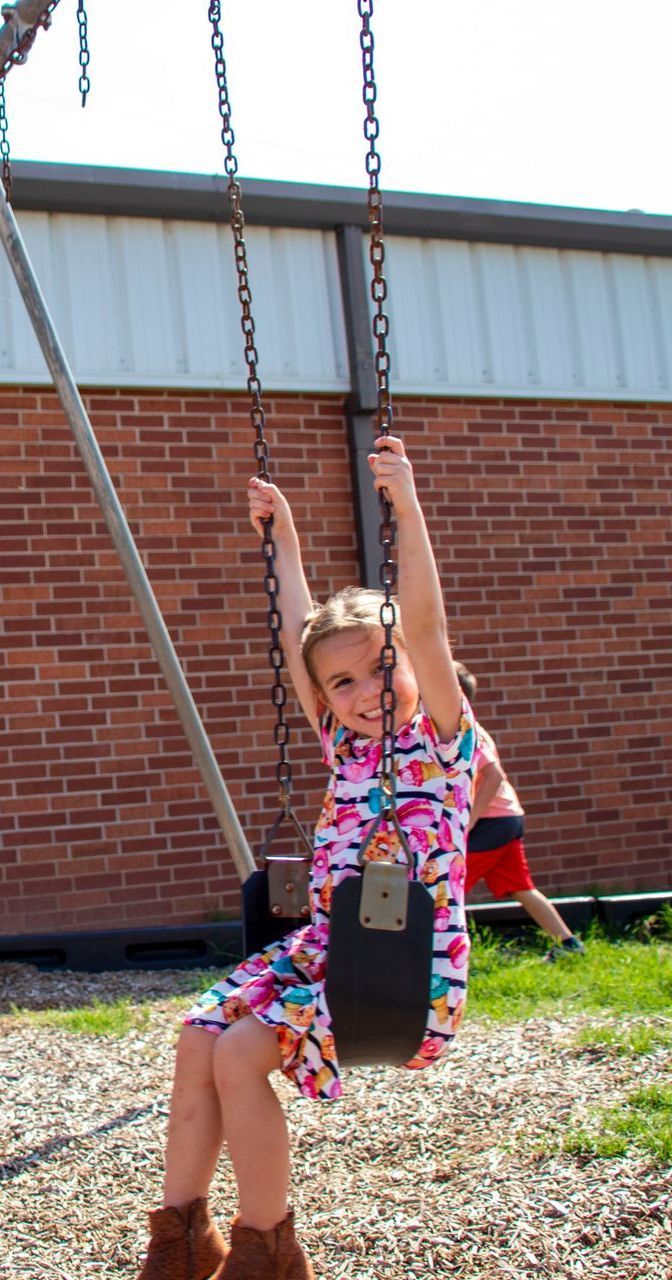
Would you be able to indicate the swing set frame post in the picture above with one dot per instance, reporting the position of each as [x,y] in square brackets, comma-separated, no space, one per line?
[115,519]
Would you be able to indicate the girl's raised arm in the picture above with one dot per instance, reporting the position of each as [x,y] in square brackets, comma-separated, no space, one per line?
[419,590]
[294,598]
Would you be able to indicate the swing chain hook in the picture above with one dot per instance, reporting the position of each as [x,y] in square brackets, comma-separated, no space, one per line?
[381,329]
[84,55]
[24,33]
[24,36]
[283,769]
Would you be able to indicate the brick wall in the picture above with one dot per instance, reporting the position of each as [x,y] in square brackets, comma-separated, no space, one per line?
[552,528]
[555,541]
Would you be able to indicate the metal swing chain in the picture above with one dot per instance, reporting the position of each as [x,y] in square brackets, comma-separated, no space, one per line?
[283,770]
[84,55]
[4,146]
[381,328]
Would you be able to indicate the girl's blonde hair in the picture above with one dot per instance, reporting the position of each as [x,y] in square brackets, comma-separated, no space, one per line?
[352,609]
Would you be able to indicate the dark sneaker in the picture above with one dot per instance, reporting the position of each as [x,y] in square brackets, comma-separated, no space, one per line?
[570,946]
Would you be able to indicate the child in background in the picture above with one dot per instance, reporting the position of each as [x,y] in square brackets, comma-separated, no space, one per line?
[495,849]
[270,1013]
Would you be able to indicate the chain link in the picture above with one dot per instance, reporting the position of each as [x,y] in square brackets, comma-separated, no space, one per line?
[4,146]
[24,41]
[283,769]
[381,329]
[381,324]
[84,55]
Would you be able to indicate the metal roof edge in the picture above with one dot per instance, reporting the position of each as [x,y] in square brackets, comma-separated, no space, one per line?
[98,189]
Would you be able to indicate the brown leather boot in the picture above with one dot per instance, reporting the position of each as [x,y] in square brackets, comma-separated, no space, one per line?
[208,1246]
[266,1255]
[185,1244]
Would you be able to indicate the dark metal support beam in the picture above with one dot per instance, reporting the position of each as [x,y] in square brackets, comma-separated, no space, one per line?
[367,507]
[362,402]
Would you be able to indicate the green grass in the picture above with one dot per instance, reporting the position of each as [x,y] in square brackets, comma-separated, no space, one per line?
[627,976]
[642,1125]
[97,1019]
[634,1041]
[509,982]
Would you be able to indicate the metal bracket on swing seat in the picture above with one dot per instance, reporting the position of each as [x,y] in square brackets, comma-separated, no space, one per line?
[383,903]
[288,875]
[288,886]
[275,898]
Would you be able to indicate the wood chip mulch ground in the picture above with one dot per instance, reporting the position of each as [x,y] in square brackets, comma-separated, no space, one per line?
[410,1177]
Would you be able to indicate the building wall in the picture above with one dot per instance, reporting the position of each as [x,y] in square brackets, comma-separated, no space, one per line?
[469,318]
[551,522]
[466,317]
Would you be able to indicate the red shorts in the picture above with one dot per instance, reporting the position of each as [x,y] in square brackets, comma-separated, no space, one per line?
[504,870]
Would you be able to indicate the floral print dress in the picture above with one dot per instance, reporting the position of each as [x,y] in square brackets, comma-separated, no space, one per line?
[284,985]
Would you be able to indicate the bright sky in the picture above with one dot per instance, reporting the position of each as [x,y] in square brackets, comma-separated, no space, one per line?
[552,101]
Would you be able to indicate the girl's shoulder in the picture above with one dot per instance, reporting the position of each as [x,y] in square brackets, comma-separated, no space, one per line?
[456,754]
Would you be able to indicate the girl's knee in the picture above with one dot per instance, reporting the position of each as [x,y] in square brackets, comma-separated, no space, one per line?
[246,1050]
[195,1053]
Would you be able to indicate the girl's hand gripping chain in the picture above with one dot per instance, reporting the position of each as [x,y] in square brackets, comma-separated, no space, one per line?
[393,474]
[267,501]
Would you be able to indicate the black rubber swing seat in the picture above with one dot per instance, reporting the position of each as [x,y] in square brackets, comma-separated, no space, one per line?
[378,979]
[378,974]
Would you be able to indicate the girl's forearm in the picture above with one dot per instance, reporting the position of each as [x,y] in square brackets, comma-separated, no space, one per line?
[293,594]
[294,601]
[419,587]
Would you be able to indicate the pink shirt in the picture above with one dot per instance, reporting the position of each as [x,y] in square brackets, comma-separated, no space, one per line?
[505,804]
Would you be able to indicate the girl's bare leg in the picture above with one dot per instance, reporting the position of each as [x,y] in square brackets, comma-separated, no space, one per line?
[195,1131]
[254,1123]
[544,914]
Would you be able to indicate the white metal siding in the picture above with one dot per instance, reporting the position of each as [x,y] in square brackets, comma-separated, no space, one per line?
[153,302]
[150,302]
[484,319]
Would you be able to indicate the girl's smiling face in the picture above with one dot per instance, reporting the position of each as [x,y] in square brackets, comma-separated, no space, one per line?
[350,678]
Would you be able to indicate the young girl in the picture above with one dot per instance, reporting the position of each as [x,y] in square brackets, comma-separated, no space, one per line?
[270,1013]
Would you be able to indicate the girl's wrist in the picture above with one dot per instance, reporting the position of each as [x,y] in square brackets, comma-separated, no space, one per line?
[287,539]
[409,511]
